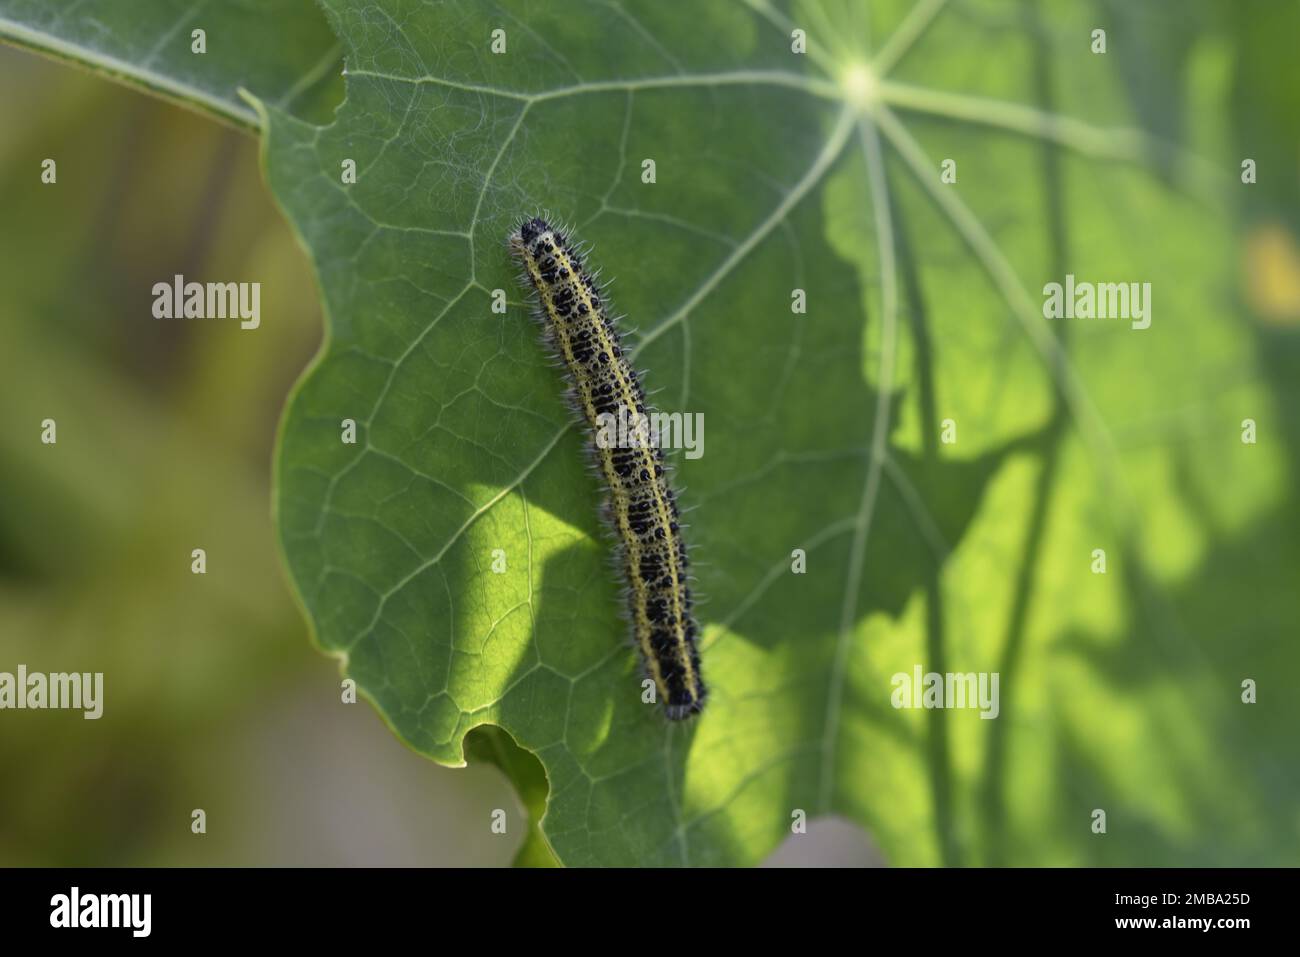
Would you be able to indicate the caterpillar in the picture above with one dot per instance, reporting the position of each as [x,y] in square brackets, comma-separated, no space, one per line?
[641,509]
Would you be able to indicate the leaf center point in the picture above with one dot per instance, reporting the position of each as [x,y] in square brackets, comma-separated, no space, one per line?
[860,85]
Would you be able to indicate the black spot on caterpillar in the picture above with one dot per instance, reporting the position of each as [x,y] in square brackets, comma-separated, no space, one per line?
[642,509]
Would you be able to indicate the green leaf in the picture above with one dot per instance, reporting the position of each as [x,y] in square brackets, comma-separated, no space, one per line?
[779,171]
[281,50]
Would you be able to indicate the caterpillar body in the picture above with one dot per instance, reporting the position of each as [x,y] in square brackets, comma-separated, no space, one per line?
[641,509]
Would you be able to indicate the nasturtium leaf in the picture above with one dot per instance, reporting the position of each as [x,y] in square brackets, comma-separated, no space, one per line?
[777,171]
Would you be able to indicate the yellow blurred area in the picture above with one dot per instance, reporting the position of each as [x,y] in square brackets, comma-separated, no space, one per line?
[1271,267]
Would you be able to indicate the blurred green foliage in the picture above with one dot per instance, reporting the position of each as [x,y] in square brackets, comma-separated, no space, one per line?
[214,698]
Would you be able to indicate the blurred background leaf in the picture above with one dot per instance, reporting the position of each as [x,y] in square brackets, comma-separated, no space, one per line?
[281,50]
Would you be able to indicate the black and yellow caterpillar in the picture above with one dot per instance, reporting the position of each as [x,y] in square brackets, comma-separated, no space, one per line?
[642,510]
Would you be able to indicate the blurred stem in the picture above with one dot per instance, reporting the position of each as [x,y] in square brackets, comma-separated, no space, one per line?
[318,74]
[937,744]
[993,796]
